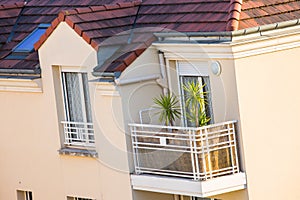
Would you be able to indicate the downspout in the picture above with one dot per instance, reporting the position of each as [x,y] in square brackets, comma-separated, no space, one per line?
[163,82]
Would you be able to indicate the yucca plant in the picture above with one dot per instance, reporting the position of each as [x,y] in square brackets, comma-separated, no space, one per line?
[195,102]
[169,109]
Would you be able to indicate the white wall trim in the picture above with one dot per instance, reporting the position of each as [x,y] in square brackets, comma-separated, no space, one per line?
[20,85]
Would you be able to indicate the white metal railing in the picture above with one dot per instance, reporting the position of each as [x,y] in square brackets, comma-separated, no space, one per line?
[78,134]
[197,153]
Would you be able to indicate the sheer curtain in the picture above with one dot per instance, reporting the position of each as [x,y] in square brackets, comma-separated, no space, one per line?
[77,100]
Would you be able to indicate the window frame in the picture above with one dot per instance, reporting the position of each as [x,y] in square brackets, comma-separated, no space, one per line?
[78,70]
[188,69]
[77,134]
[17,49]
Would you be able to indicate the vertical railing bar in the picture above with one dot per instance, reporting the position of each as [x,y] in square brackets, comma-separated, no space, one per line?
[235,149]
[231,146]
[136,152]
[192,154]
[203,154]
[208,154]
[196,155]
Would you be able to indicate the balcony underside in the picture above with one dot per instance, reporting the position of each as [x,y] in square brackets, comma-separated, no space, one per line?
[181,186]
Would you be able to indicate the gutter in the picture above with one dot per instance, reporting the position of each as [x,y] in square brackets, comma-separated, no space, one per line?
[242,32]
[21,71]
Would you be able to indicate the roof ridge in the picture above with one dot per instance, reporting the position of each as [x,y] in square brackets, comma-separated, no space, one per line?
[12,5]
[234,15]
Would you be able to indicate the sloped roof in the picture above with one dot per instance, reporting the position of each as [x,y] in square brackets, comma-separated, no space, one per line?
[96,24]
[18,19]
[96,21]
[257,13]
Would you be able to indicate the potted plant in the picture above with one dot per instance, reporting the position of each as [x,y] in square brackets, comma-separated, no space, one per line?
[168,108]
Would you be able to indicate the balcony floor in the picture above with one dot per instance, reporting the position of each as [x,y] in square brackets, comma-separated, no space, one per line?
[181,186]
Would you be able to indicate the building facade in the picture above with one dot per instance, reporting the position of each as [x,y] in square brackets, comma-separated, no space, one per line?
[85,125]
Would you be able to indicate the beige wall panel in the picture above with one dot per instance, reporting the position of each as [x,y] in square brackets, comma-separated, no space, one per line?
[268,92]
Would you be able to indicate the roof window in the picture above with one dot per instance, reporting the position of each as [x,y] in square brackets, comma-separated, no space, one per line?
[26,46]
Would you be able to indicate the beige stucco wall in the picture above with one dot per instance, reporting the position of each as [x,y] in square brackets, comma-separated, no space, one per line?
[30,127]
[268,92]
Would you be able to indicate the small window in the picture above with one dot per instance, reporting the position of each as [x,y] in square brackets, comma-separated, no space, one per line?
[78,127]
[24,195]
[206,108]
[78,198]
[26,46]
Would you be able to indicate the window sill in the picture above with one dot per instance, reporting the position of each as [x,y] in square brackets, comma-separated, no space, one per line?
[78,152]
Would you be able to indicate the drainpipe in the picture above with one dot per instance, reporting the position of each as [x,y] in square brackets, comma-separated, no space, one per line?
[163,82]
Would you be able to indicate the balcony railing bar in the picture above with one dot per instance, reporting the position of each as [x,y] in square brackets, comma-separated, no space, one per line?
[182,148]
[184,136]
[184,131]
[181,128]
[202,176]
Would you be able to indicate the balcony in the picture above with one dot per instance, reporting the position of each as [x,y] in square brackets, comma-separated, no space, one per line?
[184,160]
[78,134]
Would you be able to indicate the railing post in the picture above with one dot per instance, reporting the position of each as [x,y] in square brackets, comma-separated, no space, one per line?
[196,155]
[208,153]
[134,142]
[235,149]
[203,154]
[192,153]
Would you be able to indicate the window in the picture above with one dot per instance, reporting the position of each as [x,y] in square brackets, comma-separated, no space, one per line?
[78,125]
[27,44]
[197,74]
[78,198]
[24,195]
[204,84]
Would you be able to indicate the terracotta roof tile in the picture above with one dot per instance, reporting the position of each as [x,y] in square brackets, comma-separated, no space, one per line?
[257,13]
[30,16]
[96,21]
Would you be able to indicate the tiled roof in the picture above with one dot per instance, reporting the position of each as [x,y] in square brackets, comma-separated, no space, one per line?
[257,13]
[96,21]
[18,20]
[8,17]
[96,24]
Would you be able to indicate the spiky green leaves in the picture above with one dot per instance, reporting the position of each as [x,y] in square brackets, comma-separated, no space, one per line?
[195,103]
[169,109]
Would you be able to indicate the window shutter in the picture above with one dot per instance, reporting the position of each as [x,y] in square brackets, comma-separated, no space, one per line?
[193,68]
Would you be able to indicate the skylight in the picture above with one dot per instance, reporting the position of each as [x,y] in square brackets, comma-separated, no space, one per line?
[26,46]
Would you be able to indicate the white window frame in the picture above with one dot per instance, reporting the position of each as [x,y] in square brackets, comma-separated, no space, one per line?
[65,96]
[198,69]
[77,133]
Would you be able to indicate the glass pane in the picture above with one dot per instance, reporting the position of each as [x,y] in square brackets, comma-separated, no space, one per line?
[74,103]
[27,44]
[86,97]
[188,110]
